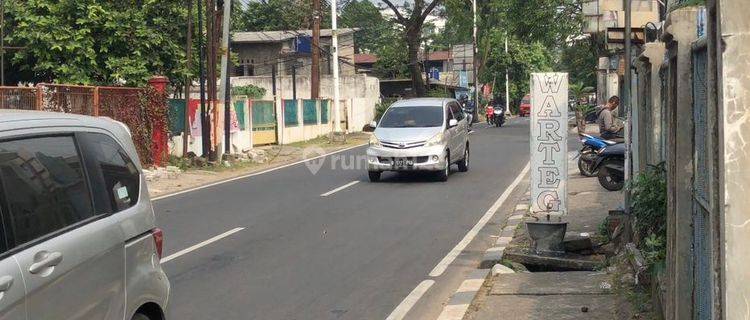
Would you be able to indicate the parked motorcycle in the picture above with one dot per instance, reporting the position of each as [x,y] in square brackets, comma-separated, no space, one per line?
[589,152]
[610,164]
[498,117]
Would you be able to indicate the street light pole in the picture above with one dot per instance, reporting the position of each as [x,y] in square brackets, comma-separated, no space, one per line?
[335,68]
[474,57]
[507,84]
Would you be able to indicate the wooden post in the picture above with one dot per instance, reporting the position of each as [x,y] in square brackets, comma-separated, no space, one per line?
[96,102]
[39,97]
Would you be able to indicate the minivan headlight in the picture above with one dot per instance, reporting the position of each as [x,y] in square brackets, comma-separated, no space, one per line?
[435,140]
[374,141]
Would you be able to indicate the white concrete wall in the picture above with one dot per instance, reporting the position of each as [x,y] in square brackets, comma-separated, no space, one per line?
[360,94]
[734,104]
[302,131]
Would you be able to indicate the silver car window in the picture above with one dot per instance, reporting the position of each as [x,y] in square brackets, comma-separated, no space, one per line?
[412,117]
[45,186]
[114,177]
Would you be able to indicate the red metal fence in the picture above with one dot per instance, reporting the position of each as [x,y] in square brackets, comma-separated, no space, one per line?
[132,106]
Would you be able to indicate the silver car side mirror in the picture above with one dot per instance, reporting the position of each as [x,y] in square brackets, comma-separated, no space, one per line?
[452,123]
[373,124]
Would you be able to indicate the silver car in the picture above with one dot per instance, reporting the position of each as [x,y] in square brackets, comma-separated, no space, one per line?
[426,134]
[77,233]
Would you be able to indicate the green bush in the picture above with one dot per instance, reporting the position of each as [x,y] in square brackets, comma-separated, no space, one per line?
[382,106]
[438,93]
[649,210]
[251,91]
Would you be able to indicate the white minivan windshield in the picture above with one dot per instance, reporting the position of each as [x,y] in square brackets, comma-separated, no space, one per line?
[413,117]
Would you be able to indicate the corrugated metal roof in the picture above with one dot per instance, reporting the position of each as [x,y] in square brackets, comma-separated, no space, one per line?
[439,56]
[282,35]
[365,58]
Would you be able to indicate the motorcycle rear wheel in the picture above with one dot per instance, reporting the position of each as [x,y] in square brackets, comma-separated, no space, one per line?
[608,180]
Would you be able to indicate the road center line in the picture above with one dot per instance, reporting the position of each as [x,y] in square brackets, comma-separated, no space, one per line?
[200,245]
[410,300]
[448,259]
[340,188]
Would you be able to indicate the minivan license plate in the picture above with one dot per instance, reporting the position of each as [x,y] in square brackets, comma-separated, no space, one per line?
[403,162]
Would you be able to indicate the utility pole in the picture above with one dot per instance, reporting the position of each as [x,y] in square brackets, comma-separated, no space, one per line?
[335,69]
[225,87]
[315,67]
[188,80]
[205,133]
[626,99]
[211,24]
[507,83]
[2,42]
[474,59]
[294,81]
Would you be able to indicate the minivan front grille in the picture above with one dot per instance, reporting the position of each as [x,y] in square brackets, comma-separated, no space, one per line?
[402,145]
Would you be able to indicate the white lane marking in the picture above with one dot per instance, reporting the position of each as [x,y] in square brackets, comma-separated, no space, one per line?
[443,264]
[340,188]
[410,300]
[200,244]
[252,174]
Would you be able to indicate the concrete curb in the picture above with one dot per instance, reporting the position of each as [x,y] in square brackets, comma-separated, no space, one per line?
[460,301]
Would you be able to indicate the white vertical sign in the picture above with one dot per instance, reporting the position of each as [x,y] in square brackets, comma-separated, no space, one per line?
[549,144]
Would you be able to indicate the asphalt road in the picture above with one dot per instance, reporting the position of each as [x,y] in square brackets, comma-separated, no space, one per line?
[271,247]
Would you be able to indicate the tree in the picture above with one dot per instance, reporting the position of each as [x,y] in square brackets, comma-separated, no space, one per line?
[97,41]
[522,59]
[392,61]
[269,15]
[538,31]
[412,20]
[579,58]
[459,23]
[374,30]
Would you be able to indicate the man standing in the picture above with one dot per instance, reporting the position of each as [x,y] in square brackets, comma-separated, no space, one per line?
[608,128]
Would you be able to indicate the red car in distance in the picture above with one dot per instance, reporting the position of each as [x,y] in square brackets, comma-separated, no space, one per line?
[525,109]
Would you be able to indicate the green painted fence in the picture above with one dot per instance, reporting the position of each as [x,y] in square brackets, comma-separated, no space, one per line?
[263,115]
[239,109]
[324,111]
[309,112]
[290,113]
[176,116]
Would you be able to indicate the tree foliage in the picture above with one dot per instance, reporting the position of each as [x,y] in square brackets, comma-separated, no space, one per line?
[538,32]
[374,32]
[96,41]
[411,17]
[579,58]
[522,59]
[270,15]
[458,25]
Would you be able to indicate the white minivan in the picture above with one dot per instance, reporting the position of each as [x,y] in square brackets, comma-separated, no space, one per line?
[77,232]
[422,134]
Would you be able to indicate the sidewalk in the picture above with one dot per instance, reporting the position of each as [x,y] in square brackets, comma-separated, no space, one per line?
[548,292]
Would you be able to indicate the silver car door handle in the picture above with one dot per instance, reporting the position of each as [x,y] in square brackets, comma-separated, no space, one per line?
[50,260]
[5,283]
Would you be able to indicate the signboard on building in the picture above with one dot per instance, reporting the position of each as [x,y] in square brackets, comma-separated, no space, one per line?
[549,147]
[463,79]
